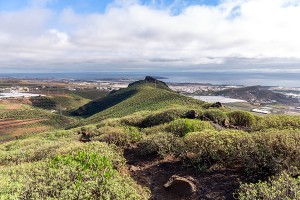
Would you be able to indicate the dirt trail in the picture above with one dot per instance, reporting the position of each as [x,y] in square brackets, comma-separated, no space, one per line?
[153,173]
[4,124]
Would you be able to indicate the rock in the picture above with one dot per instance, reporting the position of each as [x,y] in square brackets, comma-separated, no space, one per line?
[181,186]
[191,114]
[134,168]
[150,79]
[85,136]
[217,105]
[216,126]
[226,123]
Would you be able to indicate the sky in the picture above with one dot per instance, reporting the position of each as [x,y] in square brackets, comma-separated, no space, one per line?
[149,35]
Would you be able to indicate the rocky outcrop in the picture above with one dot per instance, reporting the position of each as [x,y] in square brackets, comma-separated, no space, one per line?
[217,105]
[150,79]
[181,186]
[191,114]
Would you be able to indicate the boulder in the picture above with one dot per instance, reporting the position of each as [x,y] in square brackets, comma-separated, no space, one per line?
[217,105]
[181,186]
[134,168]
[226,123]
[191,114]
[85,136]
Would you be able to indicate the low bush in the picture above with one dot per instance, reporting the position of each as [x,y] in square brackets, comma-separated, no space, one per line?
[160,143]
[37,149]
[241,118]
[181,127]
[214,115]
[286,186]
[135,119]
[261,153]
[135,134]
[84,174]
[120,136]
[113,122]
[277,122]
[162,117]
[204,149]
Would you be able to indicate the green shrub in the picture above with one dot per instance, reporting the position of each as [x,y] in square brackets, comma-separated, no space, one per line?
[286,186]
[159,143]
[241,118]
[135,134]
[114,122]
[277,122]
[260,153]
[270,152]
[214,115]
[162,117]
[135,119]
[181,127]
[120,136]
[209,147]
[84,174]
[37,149]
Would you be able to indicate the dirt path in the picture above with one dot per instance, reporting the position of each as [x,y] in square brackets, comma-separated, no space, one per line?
[4,124]
[153,173]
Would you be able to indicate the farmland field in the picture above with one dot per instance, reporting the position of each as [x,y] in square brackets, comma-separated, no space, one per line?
[17,119]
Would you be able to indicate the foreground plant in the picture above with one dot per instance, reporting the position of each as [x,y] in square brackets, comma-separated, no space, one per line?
[286,186]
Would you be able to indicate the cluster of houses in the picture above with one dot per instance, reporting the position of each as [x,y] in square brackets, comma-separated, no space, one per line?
[16,93]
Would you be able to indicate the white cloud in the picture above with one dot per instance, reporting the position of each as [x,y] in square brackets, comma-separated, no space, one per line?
[129,34]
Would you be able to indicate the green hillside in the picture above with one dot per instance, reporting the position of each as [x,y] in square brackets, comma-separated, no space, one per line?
[27,120]
[136,139]
[149,94]
[68,101]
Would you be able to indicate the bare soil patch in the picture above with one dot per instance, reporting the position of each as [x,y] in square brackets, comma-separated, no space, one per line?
[153,172]
[22,131]
[6,123]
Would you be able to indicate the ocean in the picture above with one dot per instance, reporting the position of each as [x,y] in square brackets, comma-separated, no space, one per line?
[220,78]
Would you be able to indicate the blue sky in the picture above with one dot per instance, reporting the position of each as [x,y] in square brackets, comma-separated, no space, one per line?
[193,35]
[92,6]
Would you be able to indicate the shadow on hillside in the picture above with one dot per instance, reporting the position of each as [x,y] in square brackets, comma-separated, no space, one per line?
[43,102]
[104,103]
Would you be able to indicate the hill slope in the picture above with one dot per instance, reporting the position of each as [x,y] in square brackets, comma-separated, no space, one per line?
[148,94]
[257,93]
[27,120]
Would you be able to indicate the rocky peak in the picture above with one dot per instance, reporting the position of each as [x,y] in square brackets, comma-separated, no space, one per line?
[150,79]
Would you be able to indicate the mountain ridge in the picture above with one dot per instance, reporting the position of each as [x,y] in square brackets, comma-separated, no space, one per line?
[257,93]
[147,94]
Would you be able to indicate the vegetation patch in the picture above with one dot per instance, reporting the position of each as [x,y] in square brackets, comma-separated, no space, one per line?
[181,127]
[83,174]
[285,186]
[160,143]
[260,153]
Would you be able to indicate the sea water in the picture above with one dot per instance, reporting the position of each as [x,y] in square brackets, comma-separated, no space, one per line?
[220,78]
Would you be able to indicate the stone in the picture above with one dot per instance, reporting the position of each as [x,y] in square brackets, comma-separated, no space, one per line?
[85,136]
[217,105]
[226,123]
[181,186]
[191,114]
[134,168]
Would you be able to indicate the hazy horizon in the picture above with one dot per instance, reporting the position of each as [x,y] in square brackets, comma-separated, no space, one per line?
[219,78]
